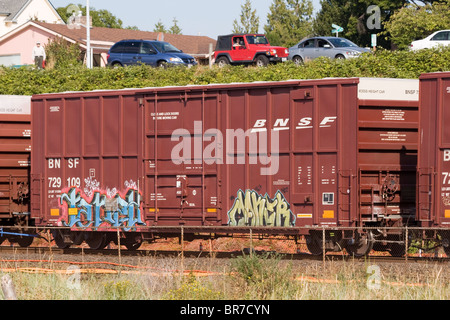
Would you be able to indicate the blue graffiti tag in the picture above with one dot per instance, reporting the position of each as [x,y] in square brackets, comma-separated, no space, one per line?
[117,211]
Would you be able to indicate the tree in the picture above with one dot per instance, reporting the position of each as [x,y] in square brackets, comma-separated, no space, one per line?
[62,54]
[360,18]
[100,18]
[289,21]
[249,21]
[175,29]
[159,27]
[413,22]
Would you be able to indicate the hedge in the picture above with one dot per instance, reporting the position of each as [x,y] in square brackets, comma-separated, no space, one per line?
[389,64]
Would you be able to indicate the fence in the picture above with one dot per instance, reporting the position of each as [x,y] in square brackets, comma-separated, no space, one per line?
[403,242]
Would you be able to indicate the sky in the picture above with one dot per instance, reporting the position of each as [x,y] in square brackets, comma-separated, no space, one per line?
[195,17]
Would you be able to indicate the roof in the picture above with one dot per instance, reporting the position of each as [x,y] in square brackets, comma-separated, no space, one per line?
[103,38]
[12,8]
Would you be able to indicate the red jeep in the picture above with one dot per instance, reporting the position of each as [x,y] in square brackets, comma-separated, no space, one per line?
[247,49]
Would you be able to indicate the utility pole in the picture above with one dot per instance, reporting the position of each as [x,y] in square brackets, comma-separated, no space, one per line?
[88,37]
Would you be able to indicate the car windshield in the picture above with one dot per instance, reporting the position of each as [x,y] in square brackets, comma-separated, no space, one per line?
[257,40]
[165,47]
[342,43]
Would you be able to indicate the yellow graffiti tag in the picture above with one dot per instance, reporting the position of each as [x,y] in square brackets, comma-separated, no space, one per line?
[253,209]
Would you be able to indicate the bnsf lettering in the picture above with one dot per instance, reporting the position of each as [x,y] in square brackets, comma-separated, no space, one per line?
[54,163]
[446,155]
[282,124]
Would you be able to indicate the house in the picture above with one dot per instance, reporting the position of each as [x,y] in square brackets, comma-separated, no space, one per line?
[21,40]
[14,13]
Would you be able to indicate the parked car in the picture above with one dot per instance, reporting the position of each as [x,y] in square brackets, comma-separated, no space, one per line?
[247,49]
[154,53]
[438,38]
[331,47]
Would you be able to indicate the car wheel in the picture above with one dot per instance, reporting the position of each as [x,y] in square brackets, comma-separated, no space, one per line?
[116,65]
[222,62]
[162,64]
[262,61]
[297,60]
[340,56]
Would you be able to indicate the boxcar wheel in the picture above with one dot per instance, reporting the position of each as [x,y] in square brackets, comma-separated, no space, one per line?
[96,241]
[25,241]
[362,246]
[314,246]
[59,239]
[133,242]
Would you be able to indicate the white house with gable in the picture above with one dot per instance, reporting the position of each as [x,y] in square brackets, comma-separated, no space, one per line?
[14,13]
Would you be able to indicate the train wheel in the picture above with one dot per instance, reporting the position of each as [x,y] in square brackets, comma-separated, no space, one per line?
[446,245]
[24,241]
[95,240]
[397,250]
[362,245]
[59,239]
[314,245]
[133,242]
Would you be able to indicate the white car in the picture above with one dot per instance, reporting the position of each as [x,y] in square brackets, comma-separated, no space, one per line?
[441,37]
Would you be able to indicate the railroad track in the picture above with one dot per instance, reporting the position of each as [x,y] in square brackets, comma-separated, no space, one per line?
[214,254]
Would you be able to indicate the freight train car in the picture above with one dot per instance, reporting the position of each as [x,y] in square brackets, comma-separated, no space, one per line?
[15,148]
[433,200]
[281,157]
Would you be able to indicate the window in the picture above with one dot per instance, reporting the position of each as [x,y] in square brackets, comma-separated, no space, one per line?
[257,40]
[321,43]
[118,48]
[132,47]
[328,199]
[441,36]
[307,44]
[165,47]
[147,48]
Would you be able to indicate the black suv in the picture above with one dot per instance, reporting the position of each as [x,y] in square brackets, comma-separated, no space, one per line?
[151,52]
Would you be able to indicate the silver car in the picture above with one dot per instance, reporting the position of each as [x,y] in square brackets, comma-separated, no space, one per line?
[331,47]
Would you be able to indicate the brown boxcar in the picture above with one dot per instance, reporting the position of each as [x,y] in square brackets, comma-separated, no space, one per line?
[271,155]
[433,200]
[15,148]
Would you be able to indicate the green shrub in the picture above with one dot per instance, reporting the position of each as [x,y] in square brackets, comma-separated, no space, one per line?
[383,63]
[265,277]
[192,289]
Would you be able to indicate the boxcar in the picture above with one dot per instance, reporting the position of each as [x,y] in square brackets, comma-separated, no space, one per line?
[281,157]
[433,200]
[15,148]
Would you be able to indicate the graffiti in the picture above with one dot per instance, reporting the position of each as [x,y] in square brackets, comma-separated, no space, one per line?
[92,208]
[253,209]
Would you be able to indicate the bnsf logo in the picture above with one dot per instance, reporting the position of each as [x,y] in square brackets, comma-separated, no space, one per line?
[283,124]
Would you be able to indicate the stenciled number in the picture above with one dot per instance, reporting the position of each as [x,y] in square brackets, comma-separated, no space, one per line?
[54,182]
[74,182]
[446,177]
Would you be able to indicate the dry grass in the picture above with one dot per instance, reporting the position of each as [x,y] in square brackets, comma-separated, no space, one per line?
[250,277]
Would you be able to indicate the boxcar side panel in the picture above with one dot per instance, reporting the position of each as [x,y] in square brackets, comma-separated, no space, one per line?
[15,148]
[433,200]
